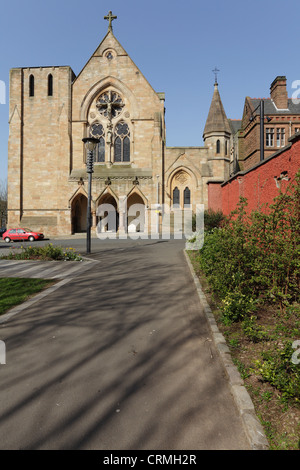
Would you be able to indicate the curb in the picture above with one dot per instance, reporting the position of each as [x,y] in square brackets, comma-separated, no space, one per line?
[252,426]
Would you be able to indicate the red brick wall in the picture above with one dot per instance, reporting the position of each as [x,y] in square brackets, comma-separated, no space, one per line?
[215,196]
[258,185]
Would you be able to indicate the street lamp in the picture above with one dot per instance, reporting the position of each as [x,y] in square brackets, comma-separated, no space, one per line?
[90,145]
[262,121]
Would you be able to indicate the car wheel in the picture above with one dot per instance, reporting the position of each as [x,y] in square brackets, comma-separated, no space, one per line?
[7,239]
[31,239]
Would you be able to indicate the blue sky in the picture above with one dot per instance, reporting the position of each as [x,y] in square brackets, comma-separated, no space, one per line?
[176,45]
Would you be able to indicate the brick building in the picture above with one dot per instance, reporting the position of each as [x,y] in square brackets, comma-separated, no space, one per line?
[52,110]
[281,121]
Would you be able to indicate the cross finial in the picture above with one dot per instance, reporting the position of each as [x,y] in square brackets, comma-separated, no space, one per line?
[216,71]
[110,19]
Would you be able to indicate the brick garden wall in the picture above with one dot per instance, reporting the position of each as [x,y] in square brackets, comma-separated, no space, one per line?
[261,184]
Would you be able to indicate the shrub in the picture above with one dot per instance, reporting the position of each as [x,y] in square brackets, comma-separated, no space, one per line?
[236,306]
[212,219]
[253,331]
[278,369]
[47,252]
[256,256]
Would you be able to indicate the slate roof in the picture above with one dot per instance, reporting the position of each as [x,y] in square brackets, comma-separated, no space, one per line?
[216,120]
[235,125]
[270,107]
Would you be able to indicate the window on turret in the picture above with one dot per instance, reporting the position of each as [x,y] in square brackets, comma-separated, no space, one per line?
[218,145]
[50,85]
[31,85]
[226,147]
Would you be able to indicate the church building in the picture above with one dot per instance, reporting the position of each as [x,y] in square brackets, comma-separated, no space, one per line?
[52,110]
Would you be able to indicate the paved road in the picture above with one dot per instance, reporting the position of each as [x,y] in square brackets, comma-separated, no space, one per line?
[119,357]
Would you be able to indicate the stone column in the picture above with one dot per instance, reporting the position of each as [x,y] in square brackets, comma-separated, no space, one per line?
[122,214]
[94,219]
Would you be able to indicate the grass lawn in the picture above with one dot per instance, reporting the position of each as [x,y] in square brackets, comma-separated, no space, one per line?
[14,291]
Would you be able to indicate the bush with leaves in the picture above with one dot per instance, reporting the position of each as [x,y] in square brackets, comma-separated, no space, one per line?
[277,368]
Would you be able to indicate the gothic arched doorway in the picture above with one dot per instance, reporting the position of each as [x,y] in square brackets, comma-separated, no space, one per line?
[135,213]
[107,214]
[79,213]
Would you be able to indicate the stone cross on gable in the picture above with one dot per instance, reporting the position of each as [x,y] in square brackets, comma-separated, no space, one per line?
[110,19]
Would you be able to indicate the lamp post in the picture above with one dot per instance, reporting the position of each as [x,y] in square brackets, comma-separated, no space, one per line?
[261,123]
[90,145]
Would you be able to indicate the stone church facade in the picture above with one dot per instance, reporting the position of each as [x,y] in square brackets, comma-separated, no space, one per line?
[52,110]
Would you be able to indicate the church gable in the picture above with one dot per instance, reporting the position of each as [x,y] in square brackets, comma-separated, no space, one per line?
[111,65]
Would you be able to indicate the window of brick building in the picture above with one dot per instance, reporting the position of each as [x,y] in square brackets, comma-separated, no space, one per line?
[280,137]
[269,137]
[218,146]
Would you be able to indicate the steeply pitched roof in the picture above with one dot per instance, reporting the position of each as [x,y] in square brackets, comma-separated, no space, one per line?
[235,125]
[216,120]
[270,108]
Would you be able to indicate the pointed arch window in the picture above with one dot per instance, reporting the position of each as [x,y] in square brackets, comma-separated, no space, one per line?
[97,131]
[176,196]
[187,197]
[218,145]
[122,142]
[50,85]
[31,85]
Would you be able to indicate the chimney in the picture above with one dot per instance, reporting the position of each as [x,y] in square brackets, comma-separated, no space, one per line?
[279,93]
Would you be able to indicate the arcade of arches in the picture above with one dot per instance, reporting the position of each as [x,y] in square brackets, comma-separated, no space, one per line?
[109,214]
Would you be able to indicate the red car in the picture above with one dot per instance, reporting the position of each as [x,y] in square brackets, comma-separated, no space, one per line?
[15,234]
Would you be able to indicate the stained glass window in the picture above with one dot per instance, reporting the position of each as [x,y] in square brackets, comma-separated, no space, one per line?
[122,142]
[176,197]
[110,104]
[118,149]
[187,197]
[97,131]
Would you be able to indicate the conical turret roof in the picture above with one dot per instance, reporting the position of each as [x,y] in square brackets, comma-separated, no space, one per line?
[217,120]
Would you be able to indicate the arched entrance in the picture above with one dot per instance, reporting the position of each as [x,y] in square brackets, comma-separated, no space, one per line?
[79,213]
[135,213]
[107,215]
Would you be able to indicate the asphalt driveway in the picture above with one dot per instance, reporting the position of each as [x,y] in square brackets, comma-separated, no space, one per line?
[118,357]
